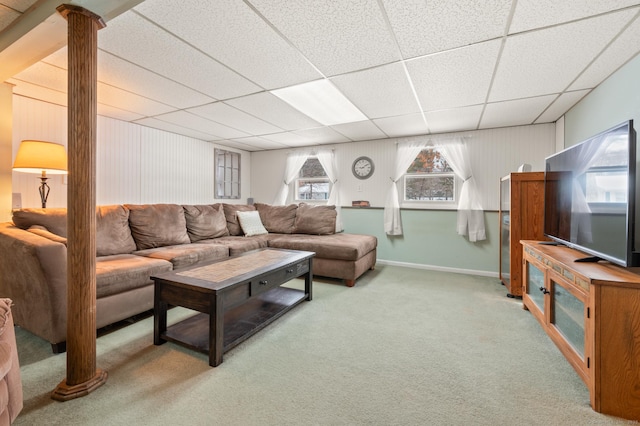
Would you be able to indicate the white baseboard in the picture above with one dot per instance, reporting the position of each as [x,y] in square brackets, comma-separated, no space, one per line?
[438,268]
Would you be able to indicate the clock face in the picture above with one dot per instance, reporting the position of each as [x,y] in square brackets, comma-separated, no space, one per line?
[362,167]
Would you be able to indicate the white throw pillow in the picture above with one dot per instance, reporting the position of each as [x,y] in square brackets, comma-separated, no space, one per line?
[250,223]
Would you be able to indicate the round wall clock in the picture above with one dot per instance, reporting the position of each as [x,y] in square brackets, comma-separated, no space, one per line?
[362,167]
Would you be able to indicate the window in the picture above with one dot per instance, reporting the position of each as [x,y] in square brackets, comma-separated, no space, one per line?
[227,178]
[313,182]
[430,179]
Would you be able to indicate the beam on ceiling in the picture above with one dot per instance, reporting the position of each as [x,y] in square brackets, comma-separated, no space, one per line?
[40,31]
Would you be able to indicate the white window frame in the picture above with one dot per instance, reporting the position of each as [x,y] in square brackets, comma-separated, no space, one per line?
[296,185]
[431,204]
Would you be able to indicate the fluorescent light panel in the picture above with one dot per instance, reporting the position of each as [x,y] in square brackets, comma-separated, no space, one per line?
[322,101]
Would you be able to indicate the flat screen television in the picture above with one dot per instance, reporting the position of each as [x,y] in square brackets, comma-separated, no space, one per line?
[590,196]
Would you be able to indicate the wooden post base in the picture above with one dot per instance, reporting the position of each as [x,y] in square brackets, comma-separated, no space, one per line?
[65,392]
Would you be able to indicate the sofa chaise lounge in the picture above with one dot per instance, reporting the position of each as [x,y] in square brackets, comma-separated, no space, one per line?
[134,242]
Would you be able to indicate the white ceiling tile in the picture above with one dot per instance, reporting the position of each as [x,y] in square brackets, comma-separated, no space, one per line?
[454,120]
[45,75]
[405,125]
[360,131]
[255,142]
[34,91]
[336,36]
[117,72]
[232,117]
[170,57]
[561,105]
[547,61]
[320,135]
[531,14]
[237,145]
[286,138]
[223,28]
[424,27]
[118,98]
[379,92]
[458,77]
[58,58]
[183,118]
[117,113]
[274,110]
[514,113]
[626,46]
[174,128]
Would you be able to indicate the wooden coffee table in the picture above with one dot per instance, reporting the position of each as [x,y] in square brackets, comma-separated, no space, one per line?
[236,298]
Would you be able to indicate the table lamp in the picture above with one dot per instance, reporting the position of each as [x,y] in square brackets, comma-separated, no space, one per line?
[41,157]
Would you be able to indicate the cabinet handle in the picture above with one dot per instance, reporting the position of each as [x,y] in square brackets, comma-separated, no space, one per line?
[544,290]
[264,282]
[289,271]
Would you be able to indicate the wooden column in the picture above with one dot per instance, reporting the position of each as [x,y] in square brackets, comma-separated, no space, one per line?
[82,375]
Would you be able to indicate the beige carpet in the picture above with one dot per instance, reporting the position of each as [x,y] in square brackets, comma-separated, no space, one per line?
[402,347]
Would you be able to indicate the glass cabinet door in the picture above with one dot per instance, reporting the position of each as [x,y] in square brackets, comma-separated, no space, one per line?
[568,317]
[505,229]
[535,285]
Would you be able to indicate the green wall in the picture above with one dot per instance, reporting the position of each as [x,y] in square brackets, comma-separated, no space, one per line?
[430,240]
[615,100]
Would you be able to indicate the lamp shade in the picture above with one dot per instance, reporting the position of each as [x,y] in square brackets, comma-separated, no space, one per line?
[39,156]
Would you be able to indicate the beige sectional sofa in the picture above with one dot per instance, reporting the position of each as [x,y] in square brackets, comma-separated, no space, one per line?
[134,242]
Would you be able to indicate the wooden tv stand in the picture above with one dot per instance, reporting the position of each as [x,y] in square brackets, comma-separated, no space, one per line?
[591,311]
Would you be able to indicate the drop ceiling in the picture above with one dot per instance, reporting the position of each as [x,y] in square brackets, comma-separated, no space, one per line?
[212,69]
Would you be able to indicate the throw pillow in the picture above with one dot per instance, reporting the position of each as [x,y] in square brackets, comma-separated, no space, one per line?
[205,222]
[316,220]
[230,211]
[279,219]
[157,225]
[251,223]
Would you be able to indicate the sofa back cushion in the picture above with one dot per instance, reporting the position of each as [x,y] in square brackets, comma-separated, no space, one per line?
[205,222]
[157,225]
[54,219]
[113,235]
[232,219]
[278,219]
[316,220]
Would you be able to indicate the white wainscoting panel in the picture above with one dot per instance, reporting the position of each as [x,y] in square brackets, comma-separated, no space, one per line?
[135,164]
[494,153]
[118,162]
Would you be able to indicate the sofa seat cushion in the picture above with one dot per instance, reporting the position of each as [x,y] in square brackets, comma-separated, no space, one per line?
[122,272]
[184,255]
[335,246]
[238,245]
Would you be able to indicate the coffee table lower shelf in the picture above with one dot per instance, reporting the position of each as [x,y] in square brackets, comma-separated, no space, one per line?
[240,323]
